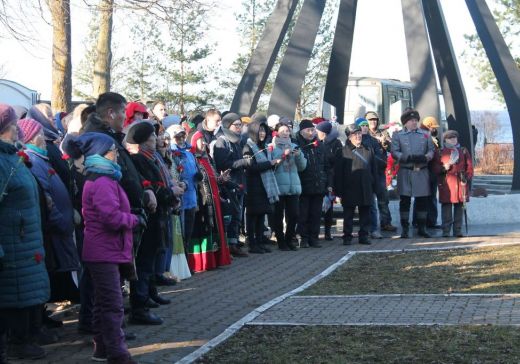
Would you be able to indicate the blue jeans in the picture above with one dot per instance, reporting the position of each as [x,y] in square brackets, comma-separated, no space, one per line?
[233,228]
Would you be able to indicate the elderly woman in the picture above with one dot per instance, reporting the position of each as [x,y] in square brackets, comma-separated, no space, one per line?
[208,248]
[58,227]
[454,168]
[24,284]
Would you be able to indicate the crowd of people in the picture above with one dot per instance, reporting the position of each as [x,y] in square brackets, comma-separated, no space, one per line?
[118,192]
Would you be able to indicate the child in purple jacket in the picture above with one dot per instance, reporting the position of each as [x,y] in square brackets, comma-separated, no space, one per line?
[108,241]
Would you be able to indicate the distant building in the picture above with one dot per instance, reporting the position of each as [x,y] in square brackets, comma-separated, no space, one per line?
[13,93]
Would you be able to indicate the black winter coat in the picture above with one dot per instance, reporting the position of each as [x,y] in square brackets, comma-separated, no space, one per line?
[131,180]
[354,178]
[256,199]
[317,176]
[380,159]
[227,154]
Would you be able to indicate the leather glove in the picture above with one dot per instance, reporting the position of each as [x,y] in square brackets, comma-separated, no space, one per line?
[419,158]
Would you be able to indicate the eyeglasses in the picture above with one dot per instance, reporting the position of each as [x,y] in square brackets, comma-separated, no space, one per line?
[237,125]
[376,119]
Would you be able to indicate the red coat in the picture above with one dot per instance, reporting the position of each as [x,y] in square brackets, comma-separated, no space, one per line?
[449,182]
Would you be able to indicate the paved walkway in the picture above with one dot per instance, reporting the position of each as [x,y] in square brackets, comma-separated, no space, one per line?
[208,303]
[434,309]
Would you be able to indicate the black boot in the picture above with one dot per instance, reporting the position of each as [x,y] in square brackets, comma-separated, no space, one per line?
[254,247]
[281,244]
[313,243]
[3,349]
[142,316]
[328,235]
[405,225]
[154,294]
[290,244]
[421,222]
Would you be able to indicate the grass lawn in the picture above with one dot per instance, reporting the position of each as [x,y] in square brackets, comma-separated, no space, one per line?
[483,270]
[331,344]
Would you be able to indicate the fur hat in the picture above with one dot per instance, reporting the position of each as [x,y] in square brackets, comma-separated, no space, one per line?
[29,128]
[409,115]
[352,128]
[140,132]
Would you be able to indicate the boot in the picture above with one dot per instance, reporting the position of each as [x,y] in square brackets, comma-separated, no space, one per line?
[313,243]
[289,243]
[281,244]
[254,247]
[264,244]
[421,222]
[3,349]
[328,235]
[142,316]
[25,351]
[405,225]
[154,294]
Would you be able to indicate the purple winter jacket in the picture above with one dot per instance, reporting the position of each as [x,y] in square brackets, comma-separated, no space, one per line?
[108,222]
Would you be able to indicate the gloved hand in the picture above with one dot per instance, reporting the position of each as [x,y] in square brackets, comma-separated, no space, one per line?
[419,158]
[142,222]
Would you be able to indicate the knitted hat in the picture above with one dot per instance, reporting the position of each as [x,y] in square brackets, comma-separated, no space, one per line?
[89,144]
[229,119]
[140,132]
[450,134]
[409,115]
[272,120]
[261,118]
[304,124]
[174,130]
[7,116]
[430,122]
[324,127]
[361,122]
[286,121]
[171,120]
[30,128]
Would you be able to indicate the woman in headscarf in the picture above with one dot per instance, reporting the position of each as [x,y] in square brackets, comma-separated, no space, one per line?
[454,168]
[208,247]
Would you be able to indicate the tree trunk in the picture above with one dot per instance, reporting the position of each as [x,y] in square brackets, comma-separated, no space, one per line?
[61,55]
[103,62]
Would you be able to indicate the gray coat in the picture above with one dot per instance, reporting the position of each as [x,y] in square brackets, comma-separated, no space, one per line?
[413,179]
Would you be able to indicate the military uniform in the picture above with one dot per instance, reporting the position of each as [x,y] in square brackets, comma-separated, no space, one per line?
[413,149]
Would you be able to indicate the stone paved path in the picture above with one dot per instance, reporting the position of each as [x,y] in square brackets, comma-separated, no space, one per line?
[208,303]
[430,309]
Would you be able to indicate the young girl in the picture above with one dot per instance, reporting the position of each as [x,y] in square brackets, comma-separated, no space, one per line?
[454,167]
[108,242]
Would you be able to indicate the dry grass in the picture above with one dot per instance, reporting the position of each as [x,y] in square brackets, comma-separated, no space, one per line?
[483,270]
[289,344]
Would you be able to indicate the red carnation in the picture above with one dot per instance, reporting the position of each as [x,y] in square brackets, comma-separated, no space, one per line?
[284,156]
[270,148]
[160,184]
[315,143]
[65,157]
[38,257]
[146,183]
[23,156]
[180,168]
[274,134]
[177,153]
[241,186]
[52,172]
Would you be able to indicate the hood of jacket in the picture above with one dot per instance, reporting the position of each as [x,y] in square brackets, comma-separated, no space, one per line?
[253,130]
[333,135]
[50,132]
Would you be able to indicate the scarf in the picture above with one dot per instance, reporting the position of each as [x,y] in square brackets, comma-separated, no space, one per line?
[36,149]
[159,163]
[454,156]
[268,177]
[285,144]
[100,165]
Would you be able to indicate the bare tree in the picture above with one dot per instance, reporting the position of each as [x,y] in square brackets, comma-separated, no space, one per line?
[104,48]
[61,55]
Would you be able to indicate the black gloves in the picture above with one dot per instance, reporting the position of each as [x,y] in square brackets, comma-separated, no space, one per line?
[417,158]
[142,218]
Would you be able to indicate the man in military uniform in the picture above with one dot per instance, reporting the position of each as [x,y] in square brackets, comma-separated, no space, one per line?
[413,148]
